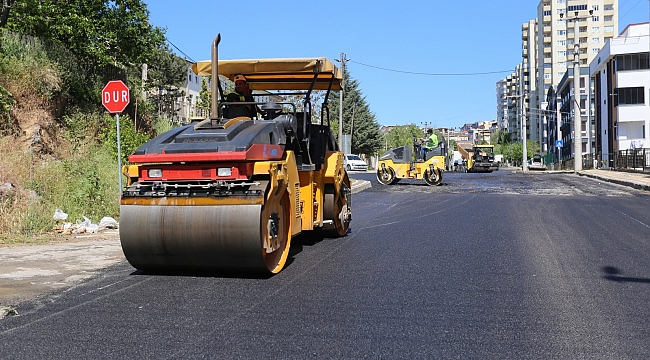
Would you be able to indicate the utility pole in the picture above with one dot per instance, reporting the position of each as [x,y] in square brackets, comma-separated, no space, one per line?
[524,133]
[426,124]
[558,121]
[577,113]
[342,60]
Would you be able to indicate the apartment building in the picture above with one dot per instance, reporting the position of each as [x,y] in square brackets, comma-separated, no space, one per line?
[621,77]
[597,23]
[534,129]
[567,110]
[502,104]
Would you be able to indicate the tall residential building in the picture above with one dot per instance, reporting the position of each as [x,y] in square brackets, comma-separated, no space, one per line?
[621,74]
[502,104]
[529,76]
[597,23]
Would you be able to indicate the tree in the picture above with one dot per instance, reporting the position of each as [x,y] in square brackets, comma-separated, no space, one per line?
[102,31]
[4,12]
[204,102]
[357,117]
[402,136]
[500,137]
[166,74]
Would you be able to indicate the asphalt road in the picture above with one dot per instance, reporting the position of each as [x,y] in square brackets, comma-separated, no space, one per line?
[499,265]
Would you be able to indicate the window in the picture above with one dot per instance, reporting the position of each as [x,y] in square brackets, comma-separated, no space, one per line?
[576,8]
[595,18]
[595,40]
[560,1]
[547,13]
[561,43]
[561,53]
[609,7]
[609,18]
[632,62]
[547,76]
[630,96]
[609,29]
[583,29]
[561,32]
[560,22]
[595,51]
[560,75]
[561,64]
[595,29]
[594,7]
[560,11]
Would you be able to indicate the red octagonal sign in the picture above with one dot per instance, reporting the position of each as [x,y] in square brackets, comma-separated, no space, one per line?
[115,96]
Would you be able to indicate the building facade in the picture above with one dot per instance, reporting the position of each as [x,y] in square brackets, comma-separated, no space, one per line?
[621,78]
[597,23]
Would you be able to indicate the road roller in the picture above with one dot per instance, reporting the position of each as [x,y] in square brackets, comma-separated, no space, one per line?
[229,192]
[405,163]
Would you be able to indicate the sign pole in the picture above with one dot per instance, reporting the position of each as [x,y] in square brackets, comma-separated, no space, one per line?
[119,152]
[115,98]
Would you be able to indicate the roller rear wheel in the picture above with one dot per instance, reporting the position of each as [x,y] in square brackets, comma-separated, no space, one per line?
[336,208]
[433,177]
[386,175]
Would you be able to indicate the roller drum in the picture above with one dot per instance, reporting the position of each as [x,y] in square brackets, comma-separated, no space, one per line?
[193,237]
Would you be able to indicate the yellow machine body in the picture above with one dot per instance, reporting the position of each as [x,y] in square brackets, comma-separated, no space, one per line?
[230,193]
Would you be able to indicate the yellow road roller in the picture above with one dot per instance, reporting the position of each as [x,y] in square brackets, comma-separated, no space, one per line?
[404,163]
[230,191]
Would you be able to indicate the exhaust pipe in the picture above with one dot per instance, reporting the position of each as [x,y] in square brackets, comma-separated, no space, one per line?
[214,114]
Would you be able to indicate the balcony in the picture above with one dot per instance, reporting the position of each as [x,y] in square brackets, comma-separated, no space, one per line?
[524,35]
[547,39]
[524,53]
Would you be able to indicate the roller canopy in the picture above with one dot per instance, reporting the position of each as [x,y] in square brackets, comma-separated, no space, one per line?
[278,74]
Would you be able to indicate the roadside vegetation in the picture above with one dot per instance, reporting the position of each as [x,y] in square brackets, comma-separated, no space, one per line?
[58,144]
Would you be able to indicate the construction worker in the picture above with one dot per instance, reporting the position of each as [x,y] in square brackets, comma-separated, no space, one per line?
[428,143]
[242,94]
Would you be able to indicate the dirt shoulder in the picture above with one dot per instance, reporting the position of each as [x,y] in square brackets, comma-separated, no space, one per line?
[28,271]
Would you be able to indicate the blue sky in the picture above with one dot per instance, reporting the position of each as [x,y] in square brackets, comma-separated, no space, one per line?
[429,37]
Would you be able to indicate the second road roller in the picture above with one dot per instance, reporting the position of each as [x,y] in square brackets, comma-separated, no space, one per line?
[229,192]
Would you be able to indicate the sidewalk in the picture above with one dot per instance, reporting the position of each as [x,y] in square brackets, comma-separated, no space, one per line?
[27,272]
[637,180]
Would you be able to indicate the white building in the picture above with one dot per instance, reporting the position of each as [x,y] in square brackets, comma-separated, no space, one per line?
[621,75]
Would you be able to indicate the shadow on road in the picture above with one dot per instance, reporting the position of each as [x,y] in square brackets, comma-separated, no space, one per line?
[614,274]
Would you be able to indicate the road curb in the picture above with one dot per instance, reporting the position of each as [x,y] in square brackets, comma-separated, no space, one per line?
[360,185]
[628,183]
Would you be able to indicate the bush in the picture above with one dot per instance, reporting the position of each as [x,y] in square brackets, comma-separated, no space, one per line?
[130,138]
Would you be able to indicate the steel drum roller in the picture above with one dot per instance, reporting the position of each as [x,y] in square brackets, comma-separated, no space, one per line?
[197,237]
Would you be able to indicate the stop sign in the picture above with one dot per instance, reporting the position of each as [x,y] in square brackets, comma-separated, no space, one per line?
[115,96]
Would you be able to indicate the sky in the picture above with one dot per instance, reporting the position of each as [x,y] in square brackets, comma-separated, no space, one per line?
[404,54]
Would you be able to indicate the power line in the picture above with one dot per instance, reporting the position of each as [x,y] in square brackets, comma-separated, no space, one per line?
[433,74]
[181,51]
[632,8]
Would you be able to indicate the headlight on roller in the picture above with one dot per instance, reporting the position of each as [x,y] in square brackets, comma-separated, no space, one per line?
[155,173]
[224,172]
